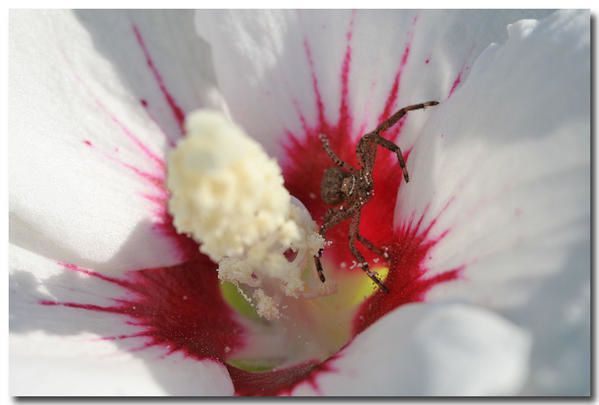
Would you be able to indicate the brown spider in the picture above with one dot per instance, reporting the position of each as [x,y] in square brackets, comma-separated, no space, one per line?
[349,189]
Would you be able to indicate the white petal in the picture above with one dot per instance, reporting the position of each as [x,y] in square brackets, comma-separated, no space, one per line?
[424,349]
[504,166]
[263,68]
[86,157]
[558,316]
[58,350]
[80,365]
[181,60]
[508,155]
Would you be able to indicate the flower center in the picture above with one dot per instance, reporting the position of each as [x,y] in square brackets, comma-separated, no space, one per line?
[228,195]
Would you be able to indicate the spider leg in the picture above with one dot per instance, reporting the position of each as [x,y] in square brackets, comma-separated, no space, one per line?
[387,144]
[371,246]
[392,120]
[388,123]
[332,217]
[336,159]
[353,235]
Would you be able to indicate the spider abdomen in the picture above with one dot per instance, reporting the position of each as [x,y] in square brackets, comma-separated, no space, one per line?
[333,187]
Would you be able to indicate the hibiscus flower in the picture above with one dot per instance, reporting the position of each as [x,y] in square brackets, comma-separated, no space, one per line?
[488,261]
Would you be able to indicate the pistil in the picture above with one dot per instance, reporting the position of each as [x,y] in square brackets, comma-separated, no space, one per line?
[228,195]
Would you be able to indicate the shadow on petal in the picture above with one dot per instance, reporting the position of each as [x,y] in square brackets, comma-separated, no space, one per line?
[158,56]
[561,328]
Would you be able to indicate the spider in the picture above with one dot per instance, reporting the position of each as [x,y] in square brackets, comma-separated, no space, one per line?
[349,189]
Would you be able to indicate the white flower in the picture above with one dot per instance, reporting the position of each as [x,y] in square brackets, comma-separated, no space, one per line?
[489,243]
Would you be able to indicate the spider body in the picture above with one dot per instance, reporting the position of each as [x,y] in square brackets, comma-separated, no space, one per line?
[337,185]
[348,189]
